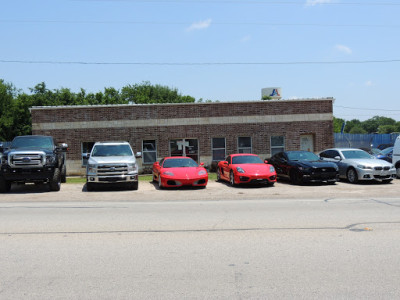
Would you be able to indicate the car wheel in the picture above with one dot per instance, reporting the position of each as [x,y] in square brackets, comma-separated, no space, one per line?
[218,174]
[160,183]
[232,179]
[5,185]
[352,175]
[295,177]
[55,181]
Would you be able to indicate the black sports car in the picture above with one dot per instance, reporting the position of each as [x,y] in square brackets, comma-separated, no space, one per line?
[303,166]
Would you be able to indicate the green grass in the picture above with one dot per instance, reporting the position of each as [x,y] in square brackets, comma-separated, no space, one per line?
[211,176]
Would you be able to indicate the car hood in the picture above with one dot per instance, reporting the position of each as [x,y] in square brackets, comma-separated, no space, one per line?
[255,168]
[368,162]
[27,150]
[112,160]
[187,172]
[315,164]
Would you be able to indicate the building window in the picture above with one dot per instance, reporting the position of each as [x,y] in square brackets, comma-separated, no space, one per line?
[277,144]
[149,151]
[86,148]
[244,144]
[218,149]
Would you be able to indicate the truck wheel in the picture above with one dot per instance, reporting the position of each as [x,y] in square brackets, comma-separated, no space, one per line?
[64,173]
[134,185]
[5,185]
[89,186]
[55,181]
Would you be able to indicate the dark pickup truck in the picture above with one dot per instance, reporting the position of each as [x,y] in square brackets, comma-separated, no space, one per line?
[32,158]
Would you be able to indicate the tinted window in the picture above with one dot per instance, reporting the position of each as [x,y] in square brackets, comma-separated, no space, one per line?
[355,154]
[246,159]
[111,150]
[309,156]
[32,142]
[179,163]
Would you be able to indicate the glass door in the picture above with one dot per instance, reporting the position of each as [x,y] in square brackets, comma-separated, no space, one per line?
[185,147]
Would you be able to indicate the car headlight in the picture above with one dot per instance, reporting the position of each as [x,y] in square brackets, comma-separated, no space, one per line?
[202,172]
[131,168]
[272,169]
[168,173]
[51,159]
[364,167]
[91,169]
[240,170]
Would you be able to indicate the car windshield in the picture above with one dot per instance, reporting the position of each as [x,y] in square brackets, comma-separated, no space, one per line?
[33,142]
[246,159]
[112,150]
[355,154]
[302,156]
[179,163]
[386,151]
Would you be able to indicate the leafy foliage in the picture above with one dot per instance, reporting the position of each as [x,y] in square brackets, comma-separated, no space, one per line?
[376,124]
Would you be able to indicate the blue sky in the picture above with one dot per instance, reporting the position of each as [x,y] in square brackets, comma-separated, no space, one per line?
[226,50]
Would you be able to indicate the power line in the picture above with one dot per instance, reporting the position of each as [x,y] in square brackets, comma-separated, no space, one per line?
[259,2]
[372,109]
[189,23]
[199,63]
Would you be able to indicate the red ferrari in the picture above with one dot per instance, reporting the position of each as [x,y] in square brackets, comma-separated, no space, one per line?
[179,171]
[246,168]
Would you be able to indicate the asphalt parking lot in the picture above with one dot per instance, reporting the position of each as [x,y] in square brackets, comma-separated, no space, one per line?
[215,191]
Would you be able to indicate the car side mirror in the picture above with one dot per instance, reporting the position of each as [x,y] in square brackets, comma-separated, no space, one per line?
[225,163]
[62,147]
[138,154]
[156,164]
[201,164]
[337,158]
[265,161]
[86,155]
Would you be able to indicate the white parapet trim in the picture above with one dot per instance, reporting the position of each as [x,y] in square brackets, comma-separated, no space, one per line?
[184,121]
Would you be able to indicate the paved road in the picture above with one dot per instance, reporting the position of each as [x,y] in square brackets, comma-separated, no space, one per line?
[246,248]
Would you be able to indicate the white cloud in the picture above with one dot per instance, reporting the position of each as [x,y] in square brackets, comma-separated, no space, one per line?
[315,2]
[343,49]
[245,39]
[199,25]
[369,83]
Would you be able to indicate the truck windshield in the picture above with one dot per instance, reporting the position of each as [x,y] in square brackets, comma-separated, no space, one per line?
[112,150]
[32,142]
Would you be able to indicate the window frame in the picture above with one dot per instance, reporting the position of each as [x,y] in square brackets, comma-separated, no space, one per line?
[151,151]
[241,148]
[212,149]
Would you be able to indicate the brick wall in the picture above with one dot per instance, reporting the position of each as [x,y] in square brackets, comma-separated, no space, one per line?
[260,132]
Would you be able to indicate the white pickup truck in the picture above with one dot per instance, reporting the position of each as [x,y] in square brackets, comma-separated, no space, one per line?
[111,163]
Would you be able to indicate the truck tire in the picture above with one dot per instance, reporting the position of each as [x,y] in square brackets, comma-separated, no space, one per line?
[63,173]
[89,186]
[134,185]
[55,181]
[5,185]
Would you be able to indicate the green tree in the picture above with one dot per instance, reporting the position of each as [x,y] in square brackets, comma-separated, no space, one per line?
[7,103]
[147,93]
[337,124]
[357,129]
[372,125]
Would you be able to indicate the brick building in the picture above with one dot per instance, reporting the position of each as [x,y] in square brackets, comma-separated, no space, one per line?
[206,132]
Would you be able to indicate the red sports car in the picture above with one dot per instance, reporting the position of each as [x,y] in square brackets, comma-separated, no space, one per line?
[179,171]
[246,168]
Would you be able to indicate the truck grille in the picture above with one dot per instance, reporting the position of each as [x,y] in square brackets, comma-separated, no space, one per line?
[24,160]
[112,170]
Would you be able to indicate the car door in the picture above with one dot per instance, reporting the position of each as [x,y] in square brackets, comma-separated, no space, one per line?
[330,155]
[227,168]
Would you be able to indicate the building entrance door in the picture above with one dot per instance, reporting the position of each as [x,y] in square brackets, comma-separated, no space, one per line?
[307,142]
[185,147]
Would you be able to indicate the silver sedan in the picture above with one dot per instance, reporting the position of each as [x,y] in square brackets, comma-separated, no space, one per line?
[356,164]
